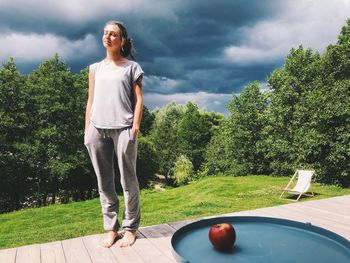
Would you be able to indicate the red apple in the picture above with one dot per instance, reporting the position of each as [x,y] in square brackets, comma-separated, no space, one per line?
[222,236]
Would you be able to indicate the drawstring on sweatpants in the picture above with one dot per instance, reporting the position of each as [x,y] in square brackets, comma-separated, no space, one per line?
[105,133]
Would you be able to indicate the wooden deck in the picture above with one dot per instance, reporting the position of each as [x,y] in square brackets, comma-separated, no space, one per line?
[153,243]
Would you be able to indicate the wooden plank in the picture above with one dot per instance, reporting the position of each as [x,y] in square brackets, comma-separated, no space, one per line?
[345,199]
[322,214]
[240,213]
[28,254]
[75,251]
[335,200]
[160,237]
[52,253]
[284,213]
[98,253]
[281,212]
[177,225]
[8,255]
[163,244]
[126,254]
[149,252]
[330,205]
[163,230]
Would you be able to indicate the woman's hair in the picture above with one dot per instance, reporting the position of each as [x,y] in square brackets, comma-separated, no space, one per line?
[127,48]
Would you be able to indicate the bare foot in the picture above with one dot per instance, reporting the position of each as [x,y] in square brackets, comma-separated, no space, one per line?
[128,239]
[112,236]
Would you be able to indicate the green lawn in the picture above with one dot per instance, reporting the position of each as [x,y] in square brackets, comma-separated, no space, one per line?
[209,196]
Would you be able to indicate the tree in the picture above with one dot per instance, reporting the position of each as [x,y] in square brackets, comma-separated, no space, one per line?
[56,126]
[80,182]
[194,133]
[147,121]
[218,152]
[323,138]
[164,136]
[14,176]
[308,114]
[147,162]
[244,130]
[334,122]
[288,88]
[336,59]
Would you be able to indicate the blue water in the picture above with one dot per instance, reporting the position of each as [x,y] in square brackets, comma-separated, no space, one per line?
[263,242]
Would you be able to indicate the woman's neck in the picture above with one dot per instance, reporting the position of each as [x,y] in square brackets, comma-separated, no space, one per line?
[114,56]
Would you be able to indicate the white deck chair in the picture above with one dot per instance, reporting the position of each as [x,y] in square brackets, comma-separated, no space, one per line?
[302,186]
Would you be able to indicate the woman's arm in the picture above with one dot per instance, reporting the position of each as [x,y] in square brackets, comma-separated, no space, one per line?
[90,100]
[137,87]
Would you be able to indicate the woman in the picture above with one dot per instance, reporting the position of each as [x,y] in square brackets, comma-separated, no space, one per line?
[112,123]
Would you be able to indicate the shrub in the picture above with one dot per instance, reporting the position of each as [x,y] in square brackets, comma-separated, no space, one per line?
[183,170]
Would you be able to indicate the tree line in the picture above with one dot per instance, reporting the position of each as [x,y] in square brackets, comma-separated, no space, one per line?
[301,121]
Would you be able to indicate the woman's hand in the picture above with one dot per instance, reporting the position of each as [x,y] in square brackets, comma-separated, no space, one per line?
[135,131]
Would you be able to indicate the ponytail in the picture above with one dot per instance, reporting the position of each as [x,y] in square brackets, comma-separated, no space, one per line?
[127,48]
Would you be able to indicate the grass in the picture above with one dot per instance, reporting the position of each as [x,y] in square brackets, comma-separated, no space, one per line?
[208,196]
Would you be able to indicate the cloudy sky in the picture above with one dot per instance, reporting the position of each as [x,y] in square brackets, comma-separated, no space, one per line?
[190,50]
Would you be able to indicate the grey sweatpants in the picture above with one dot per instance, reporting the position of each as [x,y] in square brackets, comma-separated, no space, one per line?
[101,145]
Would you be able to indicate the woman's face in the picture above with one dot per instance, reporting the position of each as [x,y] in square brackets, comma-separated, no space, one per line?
[111,38]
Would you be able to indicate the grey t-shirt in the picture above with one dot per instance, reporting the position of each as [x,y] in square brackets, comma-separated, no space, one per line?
[113,103]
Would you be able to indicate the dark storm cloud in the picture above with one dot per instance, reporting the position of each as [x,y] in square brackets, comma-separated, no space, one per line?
[236,11]
[167,47]
[24,22]
[184,47]
[187,48]
[199,28]
[204,27]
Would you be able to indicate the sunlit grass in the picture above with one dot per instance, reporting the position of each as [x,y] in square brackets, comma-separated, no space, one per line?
[209,196]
